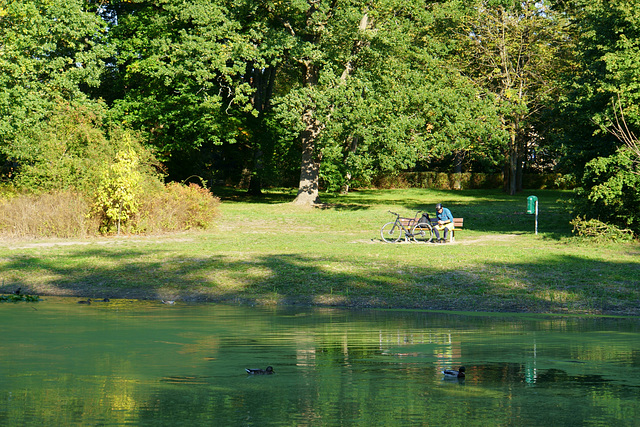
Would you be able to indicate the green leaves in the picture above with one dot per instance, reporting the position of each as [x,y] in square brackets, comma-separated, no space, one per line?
[383,99]
[604,89]
[611,190]
[117,196]
[48,49]
[186,62]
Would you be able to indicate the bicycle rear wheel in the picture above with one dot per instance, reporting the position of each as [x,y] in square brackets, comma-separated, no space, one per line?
[390,232]
[422,233]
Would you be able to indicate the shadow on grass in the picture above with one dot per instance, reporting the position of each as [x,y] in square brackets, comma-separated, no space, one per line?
[230,194]
[568,284]
[489,211]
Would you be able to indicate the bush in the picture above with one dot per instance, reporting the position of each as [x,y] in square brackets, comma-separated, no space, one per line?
[58,214]
[161,208]
[176,207]
[440,180]
[116,199]
[66,151]
[600,231]
[610,191]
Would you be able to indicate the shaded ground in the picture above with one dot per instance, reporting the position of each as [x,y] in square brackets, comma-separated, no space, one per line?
[143,271]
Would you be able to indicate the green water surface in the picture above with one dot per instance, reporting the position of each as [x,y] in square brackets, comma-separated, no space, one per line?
[145,363]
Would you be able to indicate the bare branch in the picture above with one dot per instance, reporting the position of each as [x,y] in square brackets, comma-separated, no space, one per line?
[623,134]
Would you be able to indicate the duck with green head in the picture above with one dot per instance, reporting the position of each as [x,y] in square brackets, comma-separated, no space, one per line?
[450,373]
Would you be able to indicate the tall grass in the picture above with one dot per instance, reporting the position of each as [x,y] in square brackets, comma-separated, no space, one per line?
[58,214]
[177,208]
[69,215]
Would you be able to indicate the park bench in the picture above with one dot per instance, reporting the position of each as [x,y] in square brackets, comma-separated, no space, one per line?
[458,223]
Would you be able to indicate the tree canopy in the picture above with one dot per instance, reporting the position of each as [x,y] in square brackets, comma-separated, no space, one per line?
[49,51]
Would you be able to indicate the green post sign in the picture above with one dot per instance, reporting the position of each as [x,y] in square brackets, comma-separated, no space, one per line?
[532,208]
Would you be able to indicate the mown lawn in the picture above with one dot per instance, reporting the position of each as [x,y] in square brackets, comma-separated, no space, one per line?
[267,251]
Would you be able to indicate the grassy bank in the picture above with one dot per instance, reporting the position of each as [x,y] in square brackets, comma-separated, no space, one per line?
[268,251]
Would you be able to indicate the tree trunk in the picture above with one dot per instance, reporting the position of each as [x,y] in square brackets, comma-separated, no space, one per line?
[310,162]
[255,184]
[309,166]
[311,158]
[505,176]
[519,170]
[262,80]
[457,169]
[513,164]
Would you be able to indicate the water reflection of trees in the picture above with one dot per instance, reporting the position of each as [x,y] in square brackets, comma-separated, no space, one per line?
[359,369]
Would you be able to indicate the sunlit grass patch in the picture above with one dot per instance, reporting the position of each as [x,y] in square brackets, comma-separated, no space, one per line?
[276,253]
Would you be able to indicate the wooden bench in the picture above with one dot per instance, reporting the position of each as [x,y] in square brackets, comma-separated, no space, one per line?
[408,223]
[458,223]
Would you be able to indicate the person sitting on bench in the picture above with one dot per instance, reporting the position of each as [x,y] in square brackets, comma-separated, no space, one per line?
[444,222]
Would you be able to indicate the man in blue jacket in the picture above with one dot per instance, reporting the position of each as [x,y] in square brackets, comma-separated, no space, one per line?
[444,222]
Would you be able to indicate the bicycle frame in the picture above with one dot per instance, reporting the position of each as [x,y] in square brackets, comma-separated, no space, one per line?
[393,231]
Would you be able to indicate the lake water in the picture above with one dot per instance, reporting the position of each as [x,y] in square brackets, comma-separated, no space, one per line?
[145,363]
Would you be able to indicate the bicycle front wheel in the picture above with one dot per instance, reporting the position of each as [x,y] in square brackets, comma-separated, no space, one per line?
[422,233]
[391,232]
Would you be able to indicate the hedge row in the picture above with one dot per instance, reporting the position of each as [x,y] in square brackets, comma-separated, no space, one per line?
[466,181]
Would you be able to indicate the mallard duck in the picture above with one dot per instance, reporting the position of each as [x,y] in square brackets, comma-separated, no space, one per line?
[450,373]
[267,371]
[168,302]
[88,301]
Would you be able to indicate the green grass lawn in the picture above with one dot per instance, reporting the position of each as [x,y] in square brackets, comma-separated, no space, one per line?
[267,251]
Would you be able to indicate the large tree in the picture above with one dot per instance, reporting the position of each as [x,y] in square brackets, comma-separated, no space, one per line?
[514,49]
[197,77]
[372,95]
[604,81]
[178,70]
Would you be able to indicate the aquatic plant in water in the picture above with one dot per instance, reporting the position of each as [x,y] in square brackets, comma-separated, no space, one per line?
[16,298]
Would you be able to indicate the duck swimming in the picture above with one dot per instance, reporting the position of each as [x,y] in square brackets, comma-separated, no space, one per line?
[88,301]
[450,373]
[168,302]
[267,371]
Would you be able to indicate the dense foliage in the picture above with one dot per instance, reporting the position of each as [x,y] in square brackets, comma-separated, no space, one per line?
[49,50]
[340,92]
[601,111]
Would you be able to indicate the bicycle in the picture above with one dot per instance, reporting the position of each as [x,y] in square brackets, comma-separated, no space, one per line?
[413,229]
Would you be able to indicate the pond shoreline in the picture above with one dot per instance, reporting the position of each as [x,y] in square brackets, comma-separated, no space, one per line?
[334,301]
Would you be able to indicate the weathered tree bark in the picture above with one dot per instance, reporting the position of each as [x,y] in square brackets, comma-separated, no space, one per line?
[310,161]
[310,164]
[512,157]
[311,157]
